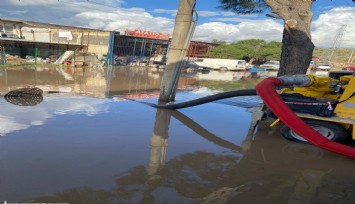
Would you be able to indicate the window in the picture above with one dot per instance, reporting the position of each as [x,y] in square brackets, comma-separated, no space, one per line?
[9,29]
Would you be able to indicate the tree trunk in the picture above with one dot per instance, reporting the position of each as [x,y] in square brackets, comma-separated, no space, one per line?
[297,49]
[297,46]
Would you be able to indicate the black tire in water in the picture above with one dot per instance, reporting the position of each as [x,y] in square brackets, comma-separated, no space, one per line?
[332,131]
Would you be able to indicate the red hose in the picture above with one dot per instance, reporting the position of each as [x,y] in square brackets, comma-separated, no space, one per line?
[267,92]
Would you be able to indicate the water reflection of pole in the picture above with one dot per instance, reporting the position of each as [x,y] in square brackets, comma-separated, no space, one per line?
[159,144]
[5,75]
[158,147]
[151,49]
[142,54]
[256,115]
[159,141]
[36,75]
[134,48]
[108,81]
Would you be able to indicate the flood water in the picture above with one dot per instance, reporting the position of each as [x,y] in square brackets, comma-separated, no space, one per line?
[86,141]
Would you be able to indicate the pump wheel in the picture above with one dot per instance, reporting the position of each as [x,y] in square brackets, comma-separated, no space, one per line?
[332,131]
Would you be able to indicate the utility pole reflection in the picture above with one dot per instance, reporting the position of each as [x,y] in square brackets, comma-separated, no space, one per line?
[158,148]
[5,75]
[159,141]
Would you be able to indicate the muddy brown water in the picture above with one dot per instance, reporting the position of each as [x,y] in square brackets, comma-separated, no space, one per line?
[85,143]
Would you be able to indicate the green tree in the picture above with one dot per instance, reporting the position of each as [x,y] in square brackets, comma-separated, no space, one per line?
[226,51]
[272,51]
[297,47]
[254,49]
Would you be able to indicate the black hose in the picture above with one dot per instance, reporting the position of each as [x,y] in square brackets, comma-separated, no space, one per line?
[207,99]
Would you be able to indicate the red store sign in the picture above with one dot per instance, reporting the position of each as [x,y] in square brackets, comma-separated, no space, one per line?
[147,34]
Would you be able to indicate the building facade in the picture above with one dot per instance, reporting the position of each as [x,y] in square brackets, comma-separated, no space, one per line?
[23,41]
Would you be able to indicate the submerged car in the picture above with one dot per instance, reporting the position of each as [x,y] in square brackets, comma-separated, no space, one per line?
[324,67]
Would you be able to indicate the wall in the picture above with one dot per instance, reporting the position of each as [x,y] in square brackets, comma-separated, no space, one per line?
[88,40]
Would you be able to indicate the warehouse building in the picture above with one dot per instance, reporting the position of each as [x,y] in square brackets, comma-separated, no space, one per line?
[28,41]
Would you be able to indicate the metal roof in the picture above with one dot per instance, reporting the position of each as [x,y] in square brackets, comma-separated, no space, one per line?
[48,25]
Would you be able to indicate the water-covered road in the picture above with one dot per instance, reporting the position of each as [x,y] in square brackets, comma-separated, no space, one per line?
[84,142]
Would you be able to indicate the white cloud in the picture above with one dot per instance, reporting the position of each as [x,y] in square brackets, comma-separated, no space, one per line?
[200,13]
[84,14]
[237,19]
[13,12]
[207,13]
[32,2]
[93,14]
[228,13]
[9,125]
[123,20]
[112,3]
[11,119]
[235,32]
[109,15]
[325,28]
[171,12]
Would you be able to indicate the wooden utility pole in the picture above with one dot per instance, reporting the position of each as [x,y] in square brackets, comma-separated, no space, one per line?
[183,31]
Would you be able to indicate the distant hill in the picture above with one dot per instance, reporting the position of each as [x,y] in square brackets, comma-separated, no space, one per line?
[335,56]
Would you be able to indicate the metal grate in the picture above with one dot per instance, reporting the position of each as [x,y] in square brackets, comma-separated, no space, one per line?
[242,101]
[25,96]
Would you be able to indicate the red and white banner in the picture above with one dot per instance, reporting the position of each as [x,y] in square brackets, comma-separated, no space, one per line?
[147,34]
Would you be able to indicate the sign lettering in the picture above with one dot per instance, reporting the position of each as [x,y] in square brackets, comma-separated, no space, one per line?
[147,34]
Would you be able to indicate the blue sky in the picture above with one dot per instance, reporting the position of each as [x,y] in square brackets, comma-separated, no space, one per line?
[319,6]
[159,15]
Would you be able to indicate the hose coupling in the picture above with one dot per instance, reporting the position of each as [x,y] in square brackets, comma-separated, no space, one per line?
[295,80]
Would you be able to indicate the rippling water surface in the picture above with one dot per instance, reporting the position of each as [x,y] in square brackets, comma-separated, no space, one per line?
[86,141]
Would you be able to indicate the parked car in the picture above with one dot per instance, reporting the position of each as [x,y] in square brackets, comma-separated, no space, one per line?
[221,64]
[350,67]
[324,67]
[271,65]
